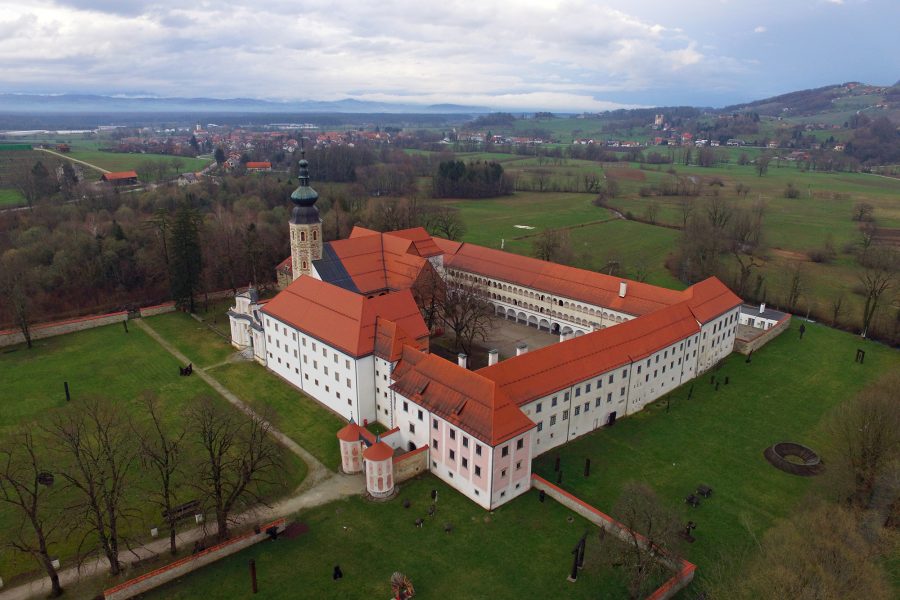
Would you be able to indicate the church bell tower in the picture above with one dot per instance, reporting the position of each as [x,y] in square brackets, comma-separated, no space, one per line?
[306,225]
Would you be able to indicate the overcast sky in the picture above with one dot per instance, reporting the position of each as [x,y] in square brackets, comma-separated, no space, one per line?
[558,55]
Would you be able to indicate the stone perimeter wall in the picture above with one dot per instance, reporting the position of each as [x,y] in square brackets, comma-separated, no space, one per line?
[410,464]
[159,309]
[9,337]
[684,569]
[180,568]
[745,347]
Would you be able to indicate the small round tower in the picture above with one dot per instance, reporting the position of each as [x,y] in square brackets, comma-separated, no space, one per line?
[306,224]
[351,459]
[379,460]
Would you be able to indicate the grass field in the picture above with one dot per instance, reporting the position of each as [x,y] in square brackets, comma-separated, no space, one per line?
[302,419]
[717,438]
[521,550]
[10,197]
[110,363]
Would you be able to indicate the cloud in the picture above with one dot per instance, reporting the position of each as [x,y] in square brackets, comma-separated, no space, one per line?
[835,1]
[554,51]
[760,29]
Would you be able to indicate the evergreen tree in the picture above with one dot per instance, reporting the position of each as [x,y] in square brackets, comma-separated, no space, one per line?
[219,155]
[186,256]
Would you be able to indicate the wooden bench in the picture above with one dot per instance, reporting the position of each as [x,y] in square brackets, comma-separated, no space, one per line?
[182,511]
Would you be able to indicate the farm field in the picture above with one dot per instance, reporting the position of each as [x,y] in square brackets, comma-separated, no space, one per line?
[108,363]
[483,557]
[717,438]
[10,197]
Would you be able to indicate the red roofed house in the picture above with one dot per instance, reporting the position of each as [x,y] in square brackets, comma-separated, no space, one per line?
[346,331]
[258,167]
[121,178]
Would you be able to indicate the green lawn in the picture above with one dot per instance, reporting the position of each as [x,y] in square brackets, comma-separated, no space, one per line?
[120,161]
[299,417]
[10,197]
[119,366]
[489,221]
[521,550]
[192,338]
[718,438]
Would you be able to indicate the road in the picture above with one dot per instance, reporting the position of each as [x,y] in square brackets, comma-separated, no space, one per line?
[81,162]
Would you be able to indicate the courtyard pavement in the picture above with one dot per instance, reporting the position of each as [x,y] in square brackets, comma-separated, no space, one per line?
[508,334]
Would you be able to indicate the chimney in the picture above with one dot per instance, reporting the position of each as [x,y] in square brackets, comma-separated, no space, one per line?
[623,287]
[493,357]
[521,348]
[762,308]
[463,360]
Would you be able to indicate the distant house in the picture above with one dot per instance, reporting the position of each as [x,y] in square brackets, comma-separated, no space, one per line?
[120,178]
[258,167]
[63,148]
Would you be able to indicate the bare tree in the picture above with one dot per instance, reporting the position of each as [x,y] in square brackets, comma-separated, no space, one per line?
[795,286]
[651,211]
[554,245]
[868,431]
[16,289]
[822,551]
[445,221]
[686,205]
[99,452]
[837,308]
[429,292]
[25,487]
[466,313]
[863,211]
[238,454]
[653,537]
[876,280]
[162,455]
[743,237]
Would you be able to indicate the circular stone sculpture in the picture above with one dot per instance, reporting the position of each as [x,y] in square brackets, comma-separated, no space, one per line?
[807,464]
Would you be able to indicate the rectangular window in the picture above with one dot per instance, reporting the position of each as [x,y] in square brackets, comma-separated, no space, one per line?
[597,402]
[326,370]
[503,474]
[587,388]
[552,420]
[434,444]
[519,466]
[303,340]
[405,406]
[421,416]
[624,373]
[478,449]
[412,428]
[622,391]
[609,397]
[565,415]
[566,397]
[465,441]
[538,408]
[553,402]
[577,392]
[434,423]
[453,455]
[477,471]
[611,378]
[348,383]
[587,406]
[540,426]
[335,358]
[577,410]
[504,451]
[520,443]
[452,434]
[347,364]
[465,463]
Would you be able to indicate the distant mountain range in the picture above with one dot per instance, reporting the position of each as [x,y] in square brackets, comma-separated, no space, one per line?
[88,103]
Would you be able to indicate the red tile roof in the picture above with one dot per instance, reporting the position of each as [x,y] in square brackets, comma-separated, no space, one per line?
[378,451]
[710,298]
[259,165]
[376,261]
[421,239]
[119,175]
[390,340]
[552,368]
[343,319]
[577,284]
[349,432]
[464,398]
